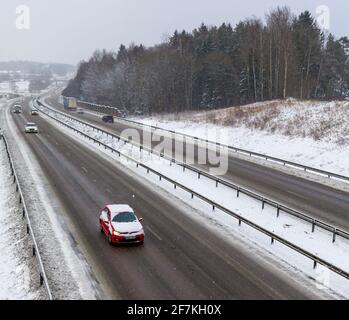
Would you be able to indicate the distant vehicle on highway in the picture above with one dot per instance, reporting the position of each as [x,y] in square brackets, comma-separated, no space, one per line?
[108,119]
[80,111]
[69,103]
[17,109]
[34,112]
[31,127]
[120,224]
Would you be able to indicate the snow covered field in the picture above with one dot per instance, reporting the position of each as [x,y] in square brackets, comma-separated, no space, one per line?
[294,230]
[20,87]
[18,276]
[311,133]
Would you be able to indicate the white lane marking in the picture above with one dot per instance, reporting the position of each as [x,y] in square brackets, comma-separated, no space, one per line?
[154,233]
[84,169]
[297,195]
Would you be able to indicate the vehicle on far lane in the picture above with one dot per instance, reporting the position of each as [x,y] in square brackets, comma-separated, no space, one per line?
[108,119]
[31,127]
[120,224]
[17,109]
[80,111]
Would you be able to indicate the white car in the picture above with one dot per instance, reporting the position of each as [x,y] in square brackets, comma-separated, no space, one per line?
[31,127]
[80,111]
[121,225]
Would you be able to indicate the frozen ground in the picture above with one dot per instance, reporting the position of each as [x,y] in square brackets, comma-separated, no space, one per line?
[294,230]
[311,133]
[18,271]
[68,273]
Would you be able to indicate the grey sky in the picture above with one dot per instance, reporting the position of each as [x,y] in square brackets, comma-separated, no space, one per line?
[70,30]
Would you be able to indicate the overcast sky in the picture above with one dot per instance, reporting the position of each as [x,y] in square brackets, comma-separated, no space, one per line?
[70,30]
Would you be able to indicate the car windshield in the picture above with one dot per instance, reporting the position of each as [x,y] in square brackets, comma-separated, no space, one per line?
[30,124]
[125,217]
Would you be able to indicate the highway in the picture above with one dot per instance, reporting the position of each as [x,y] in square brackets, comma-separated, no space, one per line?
[315,199]
[181,258]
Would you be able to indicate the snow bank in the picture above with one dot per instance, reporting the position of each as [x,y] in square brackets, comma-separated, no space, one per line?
[21,87]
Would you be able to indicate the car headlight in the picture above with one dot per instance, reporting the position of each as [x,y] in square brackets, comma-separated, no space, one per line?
[116,233]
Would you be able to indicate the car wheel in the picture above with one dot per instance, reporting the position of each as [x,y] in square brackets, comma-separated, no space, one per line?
[109,240]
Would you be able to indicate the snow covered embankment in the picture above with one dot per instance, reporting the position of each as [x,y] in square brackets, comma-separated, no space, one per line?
[16,264]
[311,133]
[287,227]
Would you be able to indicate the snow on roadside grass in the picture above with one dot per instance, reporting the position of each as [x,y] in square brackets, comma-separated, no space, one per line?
[330,152]
[292,229]
[15,272]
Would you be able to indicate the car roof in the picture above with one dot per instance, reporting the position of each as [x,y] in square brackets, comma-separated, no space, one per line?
[117,208]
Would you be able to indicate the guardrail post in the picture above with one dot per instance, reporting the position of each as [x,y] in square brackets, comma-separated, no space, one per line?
[41,279]
[278,212]
[239,222]
[314,265]
[217,182]
[272,240]
[313,226]
[199,175]
[34,251]
[334,235]
[238,193]
[263,204]
[28,230]
[213,207]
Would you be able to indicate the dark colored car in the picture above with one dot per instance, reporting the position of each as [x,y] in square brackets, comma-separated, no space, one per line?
[17,109]
[108,119]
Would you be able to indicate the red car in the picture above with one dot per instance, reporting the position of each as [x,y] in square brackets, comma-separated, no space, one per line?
[121,225]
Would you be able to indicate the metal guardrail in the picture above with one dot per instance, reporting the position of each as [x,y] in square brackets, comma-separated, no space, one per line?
[273,237]
[235,149]
[25,213]
[239,190]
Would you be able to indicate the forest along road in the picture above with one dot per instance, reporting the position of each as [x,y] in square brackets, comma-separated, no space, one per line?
[181,259]
[315,199]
